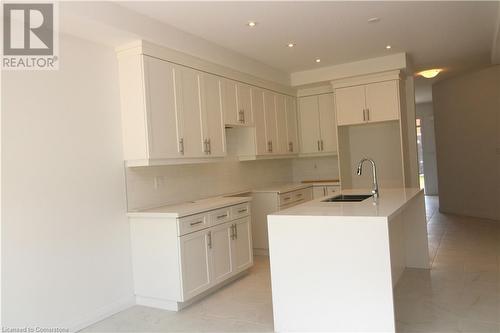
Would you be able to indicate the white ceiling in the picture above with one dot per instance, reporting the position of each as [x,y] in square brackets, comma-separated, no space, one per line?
[443,34]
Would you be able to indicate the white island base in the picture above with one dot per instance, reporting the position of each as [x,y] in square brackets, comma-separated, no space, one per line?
[334,265]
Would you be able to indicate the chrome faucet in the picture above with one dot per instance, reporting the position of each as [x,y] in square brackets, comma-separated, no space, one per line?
[374,170]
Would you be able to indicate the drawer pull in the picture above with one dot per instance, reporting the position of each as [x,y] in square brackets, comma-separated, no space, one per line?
[287,198]
[195,223]
[244,210]
[299,195]
[221,216]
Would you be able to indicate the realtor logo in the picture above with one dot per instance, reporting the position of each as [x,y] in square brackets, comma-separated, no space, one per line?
[29,36]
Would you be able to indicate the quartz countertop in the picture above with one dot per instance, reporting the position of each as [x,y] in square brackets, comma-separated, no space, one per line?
[389,203]
[190,207]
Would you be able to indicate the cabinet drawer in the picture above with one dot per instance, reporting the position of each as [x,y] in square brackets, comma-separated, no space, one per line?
[286,198]
[332,190]
[220,215]
[302,195]
[240,210]
[192,223]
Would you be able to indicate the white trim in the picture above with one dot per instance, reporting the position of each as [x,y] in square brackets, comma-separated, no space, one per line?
[495,48]
[363,67]
[101,314]
[318,90]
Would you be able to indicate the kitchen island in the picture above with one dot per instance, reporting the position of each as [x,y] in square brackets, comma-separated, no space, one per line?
[334,264]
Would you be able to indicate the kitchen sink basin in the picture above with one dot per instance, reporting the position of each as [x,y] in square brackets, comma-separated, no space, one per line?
[348,198]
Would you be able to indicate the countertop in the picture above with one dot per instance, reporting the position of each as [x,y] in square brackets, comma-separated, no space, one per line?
[322,182]
[190,207]
[282,187]
[389,202]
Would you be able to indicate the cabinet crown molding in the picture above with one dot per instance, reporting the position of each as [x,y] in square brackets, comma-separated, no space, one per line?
[144,47]
[366,79]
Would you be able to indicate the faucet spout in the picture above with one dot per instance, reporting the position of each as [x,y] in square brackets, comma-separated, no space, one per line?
[359,172]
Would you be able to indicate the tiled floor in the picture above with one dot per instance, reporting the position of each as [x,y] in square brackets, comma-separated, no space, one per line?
[460,294]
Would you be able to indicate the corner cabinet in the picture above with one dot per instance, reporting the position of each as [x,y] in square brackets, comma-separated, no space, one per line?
[178,260]
[169,112]
[318,132]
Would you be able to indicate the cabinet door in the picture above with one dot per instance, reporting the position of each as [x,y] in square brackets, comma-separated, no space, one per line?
[309,124]
[244,99]
[332,190]
[328,127]
[291,125]
[195,263]
[229,102]
[318,192]
[259,120]
[242,244]
[282,144]
[220,252]
[382,101]
[350,105]
[161,111]
[270,117]
[188,104]
[212,118]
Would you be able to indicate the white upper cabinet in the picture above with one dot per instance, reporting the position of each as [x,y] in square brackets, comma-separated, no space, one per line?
[350,105]
[212,119]
[327,124]
[371,102]
[270,120]
[187,83]
[291,125]
[282,135]
[260,121]
[236,102]
[317,124]
[309,124]
[162,116]
[382,100]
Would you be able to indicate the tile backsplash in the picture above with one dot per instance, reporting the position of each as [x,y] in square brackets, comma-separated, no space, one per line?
[159,185]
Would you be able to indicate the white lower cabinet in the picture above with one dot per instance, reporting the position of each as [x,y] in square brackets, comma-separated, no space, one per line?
[176,260]
[320,191]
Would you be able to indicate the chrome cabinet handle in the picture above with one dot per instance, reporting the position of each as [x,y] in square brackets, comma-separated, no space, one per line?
[209,239]
[205,146]
[269,146]
[235,231]
[241,115]
[221,216]
[242,210]
[286,198]
[324,191]
[209,146]
[195,223]
[299,195]
[321,144]
[318,146]
[181,146]
[364,115]
[368,114]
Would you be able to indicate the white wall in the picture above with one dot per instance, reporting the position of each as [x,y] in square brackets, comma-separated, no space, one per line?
[65,237]
[467,124]
[315,168]
[177,183]
[426,114]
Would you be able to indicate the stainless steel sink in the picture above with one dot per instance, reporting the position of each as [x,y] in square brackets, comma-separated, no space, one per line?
[348,198]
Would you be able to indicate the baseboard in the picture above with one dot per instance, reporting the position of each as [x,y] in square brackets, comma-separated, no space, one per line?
[101,314]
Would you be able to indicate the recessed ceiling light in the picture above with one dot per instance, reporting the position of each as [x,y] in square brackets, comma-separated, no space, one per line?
[388,47]
[251,24]
[318,60]
[373,19]
[291,44]
[430,73]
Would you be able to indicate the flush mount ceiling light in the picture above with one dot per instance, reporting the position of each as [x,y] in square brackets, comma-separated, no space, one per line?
[373,19]
[290,44]
[430,73]
[251,24]
[388,47]
[318,60]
